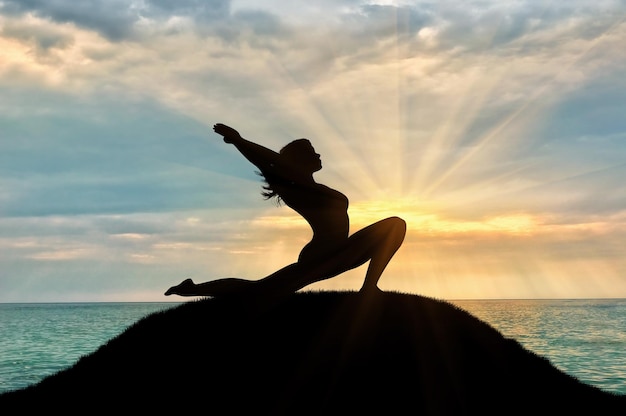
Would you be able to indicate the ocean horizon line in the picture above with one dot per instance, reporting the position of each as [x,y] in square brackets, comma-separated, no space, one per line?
[173,302]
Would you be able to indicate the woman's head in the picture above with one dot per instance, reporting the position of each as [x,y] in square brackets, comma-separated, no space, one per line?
[301,153]
[301,157]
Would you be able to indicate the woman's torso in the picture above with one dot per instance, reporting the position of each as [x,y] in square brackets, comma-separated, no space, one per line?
[325,209]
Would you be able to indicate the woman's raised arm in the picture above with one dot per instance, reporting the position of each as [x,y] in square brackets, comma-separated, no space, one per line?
[263,158]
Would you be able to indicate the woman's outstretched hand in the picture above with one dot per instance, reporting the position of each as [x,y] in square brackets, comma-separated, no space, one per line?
[229,133]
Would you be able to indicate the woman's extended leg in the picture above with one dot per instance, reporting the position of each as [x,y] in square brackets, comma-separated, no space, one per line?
[227,286]
[219,287]
[377,243]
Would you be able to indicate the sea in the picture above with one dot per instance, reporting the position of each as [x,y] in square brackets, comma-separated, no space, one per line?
[585,338]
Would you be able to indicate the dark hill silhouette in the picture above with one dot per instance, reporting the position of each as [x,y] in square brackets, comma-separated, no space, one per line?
[313,353]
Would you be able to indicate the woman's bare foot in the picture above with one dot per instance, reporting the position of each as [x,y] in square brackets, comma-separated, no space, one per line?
[184,288]
[370,290]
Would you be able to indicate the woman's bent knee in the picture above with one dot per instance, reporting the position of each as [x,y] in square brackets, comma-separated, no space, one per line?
[398,224]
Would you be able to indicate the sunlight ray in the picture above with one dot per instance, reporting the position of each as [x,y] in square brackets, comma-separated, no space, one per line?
[450,132]
[325,130]
[525,109]
[463,112]
[572,178]
[529,108]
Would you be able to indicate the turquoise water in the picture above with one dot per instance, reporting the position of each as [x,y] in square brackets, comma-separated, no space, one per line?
[40,339]
[584,338]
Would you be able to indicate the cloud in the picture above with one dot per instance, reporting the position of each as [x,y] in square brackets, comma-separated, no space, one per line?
[116,19]
[205,10]
[43,37]
[112,18]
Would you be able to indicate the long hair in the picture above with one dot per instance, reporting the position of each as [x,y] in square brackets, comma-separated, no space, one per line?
[273,182]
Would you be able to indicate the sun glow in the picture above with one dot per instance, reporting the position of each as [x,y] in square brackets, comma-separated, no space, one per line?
[433,224]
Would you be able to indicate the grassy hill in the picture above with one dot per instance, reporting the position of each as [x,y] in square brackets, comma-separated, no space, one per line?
[313,353]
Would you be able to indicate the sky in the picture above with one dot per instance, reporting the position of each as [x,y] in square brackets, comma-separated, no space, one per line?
[496,129]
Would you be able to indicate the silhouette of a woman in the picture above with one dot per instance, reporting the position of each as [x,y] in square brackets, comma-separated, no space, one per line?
[331,251]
